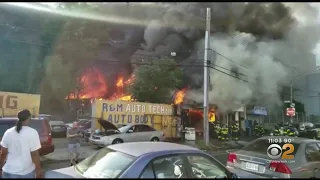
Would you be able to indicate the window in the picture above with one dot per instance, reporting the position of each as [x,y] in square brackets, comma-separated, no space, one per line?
[148,172]
[144,128]
[312,152]
[106,163]
[165,167]
[205,167]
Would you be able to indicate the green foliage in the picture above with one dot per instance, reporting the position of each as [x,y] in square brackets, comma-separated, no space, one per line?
[156,81]
[59,76]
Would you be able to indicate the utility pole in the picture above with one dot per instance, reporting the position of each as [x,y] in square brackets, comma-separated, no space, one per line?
[291,117]
[206,81]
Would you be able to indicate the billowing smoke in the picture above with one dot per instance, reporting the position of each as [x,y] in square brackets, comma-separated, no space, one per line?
[257,46]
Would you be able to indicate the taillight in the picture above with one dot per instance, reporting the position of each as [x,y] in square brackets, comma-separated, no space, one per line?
[50,139]
[232,158]
[279,167]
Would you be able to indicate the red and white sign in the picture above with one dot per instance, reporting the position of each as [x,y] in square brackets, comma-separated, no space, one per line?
[291,112]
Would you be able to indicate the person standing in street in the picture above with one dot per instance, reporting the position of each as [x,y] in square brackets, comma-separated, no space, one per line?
[19,150]
[74,143]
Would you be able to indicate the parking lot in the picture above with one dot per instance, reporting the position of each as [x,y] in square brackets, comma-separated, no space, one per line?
[59,158]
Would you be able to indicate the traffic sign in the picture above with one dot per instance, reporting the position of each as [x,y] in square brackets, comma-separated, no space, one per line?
[292,105]
[287,101]
[291,112]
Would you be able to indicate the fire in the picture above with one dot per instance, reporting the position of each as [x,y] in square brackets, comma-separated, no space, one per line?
[120,82]
[179,96]
[91,85]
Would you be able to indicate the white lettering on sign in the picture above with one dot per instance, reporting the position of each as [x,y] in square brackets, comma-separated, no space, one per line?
[136,108]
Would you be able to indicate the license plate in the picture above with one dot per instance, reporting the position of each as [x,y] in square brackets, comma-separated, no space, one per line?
[251,166]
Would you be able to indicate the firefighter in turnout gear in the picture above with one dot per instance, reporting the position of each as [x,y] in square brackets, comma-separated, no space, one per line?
[235,131]
[277,131]
[290,131]
[224,133]
[258,130]
[217,130]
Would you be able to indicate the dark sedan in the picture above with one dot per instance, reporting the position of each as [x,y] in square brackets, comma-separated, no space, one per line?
[58,129]
[146,160]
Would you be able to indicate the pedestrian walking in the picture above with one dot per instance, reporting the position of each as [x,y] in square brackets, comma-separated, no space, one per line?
[73,135]
[19,150]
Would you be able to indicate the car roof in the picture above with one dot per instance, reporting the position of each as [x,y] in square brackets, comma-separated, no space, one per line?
[15,119]
[56,122]
[297,140]
[140,148]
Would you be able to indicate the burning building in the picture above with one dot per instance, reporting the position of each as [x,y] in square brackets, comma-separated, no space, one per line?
[253,48]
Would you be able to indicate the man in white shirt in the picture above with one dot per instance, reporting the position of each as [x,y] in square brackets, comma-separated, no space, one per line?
[19,150]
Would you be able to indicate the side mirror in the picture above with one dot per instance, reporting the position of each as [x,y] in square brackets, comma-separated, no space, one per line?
[130,131]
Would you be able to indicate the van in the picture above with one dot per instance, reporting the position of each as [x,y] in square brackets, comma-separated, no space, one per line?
[39,124]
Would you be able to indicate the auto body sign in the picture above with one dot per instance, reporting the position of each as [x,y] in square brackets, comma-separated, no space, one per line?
[123,112]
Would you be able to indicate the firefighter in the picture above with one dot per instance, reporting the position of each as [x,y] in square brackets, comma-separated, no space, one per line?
[277,130]
[258,130]
[217,130]
[224,133]
[235,131]
[290,131]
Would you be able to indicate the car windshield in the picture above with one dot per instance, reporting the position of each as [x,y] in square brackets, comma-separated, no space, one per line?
[124,129]
[317,125]
[261,146]
[82,122]
[106,163]
[57,123]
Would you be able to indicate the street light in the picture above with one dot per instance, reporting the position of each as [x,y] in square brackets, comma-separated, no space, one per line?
[291,85]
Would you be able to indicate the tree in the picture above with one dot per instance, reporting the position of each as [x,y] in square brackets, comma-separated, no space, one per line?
[155,81]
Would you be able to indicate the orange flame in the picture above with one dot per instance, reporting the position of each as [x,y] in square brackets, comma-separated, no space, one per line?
[92,85]
[120,82]
[179,96]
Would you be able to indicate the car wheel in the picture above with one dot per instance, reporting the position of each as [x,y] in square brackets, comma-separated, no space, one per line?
[155,139]
[117,141]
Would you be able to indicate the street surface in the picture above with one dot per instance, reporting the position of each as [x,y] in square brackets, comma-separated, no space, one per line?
[59,158]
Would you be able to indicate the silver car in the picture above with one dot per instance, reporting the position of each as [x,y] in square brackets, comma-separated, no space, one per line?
[253,161]
[127,133]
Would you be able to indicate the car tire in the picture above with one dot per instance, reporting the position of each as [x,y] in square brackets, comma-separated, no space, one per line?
[117,141]
[155,139]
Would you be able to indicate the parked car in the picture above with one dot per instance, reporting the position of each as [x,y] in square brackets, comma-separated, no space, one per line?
[307,130]
[128,133]
[39,124]
[317,127]
[87,132]
[81,122]
[146,160]
[253,161]
[46,116]
[58,129]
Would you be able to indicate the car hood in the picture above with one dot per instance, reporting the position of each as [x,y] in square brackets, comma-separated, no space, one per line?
[107,125]
[68,172]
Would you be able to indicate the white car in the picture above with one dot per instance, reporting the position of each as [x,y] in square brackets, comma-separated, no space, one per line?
[127,133]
